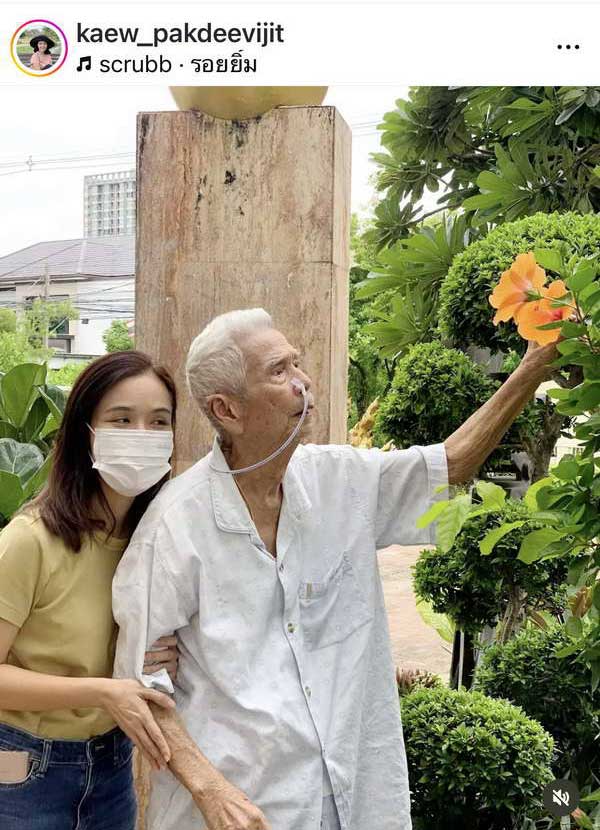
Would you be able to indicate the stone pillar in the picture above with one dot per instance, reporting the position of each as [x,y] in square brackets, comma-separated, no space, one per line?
[243,214]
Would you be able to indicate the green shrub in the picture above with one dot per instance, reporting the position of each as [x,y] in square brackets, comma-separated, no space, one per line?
[434,390]
[116,338]
[67,374]
[555,691]
[30,415]
[474,763]
[473,589]
[465,315]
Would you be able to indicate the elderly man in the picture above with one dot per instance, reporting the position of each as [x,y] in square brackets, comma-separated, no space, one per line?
[287,711]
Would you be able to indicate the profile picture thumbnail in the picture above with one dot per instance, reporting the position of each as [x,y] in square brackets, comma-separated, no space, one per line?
[39,47]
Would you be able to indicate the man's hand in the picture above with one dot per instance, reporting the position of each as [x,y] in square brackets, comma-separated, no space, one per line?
[538,358]
[224,807]
[163,654]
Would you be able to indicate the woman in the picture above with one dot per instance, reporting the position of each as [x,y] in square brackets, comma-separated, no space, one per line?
[41,58]
[65,758]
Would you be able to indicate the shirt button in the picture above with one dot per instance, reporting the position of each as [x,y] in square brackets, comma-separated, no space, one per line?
[291,628]
[281,567]
[307,690]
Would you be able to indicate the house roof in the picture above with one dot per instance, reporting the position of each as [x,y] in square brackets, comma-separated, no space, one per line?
[72,259]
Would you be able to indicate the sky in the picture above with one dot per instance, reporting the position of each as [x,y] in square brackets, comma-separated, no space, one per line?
[72,121]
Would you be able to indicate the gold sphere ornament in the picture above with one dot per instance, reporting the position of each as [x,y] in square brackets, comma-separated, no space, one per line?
[236,103]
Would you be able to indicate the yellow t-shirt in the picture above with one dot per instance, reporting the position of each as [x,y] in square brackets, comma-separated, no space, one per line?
[62,603]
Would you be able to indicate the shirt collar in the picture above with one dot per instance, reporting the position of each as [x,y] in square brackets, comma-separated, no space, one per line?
[231,513]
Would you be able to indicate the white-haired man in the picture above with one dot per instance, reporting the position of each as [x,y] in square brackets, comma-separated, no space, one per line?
[287,712]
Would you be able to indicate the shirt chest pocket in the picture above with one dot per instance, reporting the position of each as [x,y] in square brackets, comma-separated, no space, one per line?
[332,610]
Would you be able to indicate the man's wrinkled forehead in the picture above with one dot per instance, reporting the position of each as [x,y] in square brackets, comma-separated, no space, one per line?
[266,348]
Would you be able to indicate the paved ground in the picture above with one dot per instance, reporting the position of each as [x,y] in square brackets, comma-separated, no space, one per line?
[414,643]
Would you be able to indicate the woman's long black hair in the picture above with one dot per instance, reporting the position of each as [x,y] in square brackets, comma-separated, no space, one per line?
[65,505]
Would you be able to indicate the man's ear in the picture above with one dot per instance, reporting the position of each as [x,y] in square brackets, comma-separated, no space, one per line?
[228,412]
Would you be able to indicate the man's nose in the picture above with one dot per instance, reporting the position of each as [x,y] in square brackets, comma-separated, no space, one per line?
[302,376]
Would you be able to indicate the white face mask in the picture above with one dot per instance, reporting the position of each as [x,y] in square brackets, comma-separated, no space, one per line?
[132,460]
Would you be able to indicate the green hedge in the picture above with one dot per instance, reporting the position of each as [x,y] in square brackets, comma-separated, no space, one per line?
[474,589]
[465,315]
[474,763]
[434,390]
[555,691]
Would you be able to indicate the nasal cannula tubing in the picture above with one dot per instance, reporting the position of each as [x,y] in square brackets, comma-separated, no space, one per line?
[297,384]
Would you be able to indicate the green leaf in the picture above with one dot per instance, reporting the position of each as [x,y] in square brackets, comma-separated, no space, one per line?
[452,520]
[567,651]
[22,460]
[492,495]
[567,468]
[11,493]
[440,622]
[530,497]
[38,479]
[8,430]
[549,259]
[596,596]
[584,275]
[574,627]
[535,544]
[53,405]
[38,415]
[19,390]
[432,514]
[590,396]
[491,538]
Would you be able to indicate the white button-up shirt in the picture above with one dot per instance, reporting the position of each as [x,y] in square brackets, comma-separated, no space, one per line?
[285,663]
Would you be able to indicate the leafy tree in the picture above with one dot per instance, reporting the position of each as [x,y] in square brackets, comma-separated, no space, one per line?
[527,672]
[67,374]
[42,318]
[498,153]
[15,348]
[476,590]
[367,375]
[8,321]
[433,391]
[465,314]
[116,337]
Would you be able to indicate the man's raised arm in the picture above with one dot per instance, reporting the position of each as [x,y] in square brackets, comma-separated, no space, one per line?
[469,446]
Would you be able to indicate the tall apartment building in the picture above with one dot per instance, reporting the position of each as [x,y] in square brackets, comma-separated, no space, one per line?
[109,204]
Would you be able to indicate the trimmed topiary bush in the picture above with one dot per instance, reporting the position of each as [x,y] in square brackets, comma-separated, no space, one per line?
[473,589]
[465,315]
[434,389]
[473,762]
[555,691]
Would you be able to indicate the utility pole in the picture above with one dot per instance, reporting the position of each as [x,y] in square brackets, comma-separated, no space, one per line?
[46,299]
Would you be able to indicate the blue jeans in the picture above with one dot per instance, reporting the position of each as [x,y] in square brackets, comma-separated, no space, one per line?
[71,785]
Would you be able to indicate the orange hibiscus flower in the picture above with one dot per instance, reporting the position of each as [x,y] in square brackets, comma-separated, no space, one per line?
[539,312]
[523,279]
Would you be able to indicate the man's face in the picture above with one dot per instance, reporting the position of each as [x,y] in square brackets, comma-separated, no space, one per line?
[273,407]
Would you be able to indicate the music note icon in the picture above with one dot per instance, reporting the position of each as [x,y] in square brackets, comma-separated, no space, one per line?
[84,63]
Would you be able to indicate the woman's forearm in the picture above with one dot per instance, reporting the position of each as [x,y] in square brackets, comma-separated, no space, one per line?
[22,690]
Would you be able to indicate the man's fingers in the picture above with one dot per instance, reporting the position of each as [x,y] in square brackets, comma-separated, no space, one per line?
[158,697]
[165,641]
[159,656]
